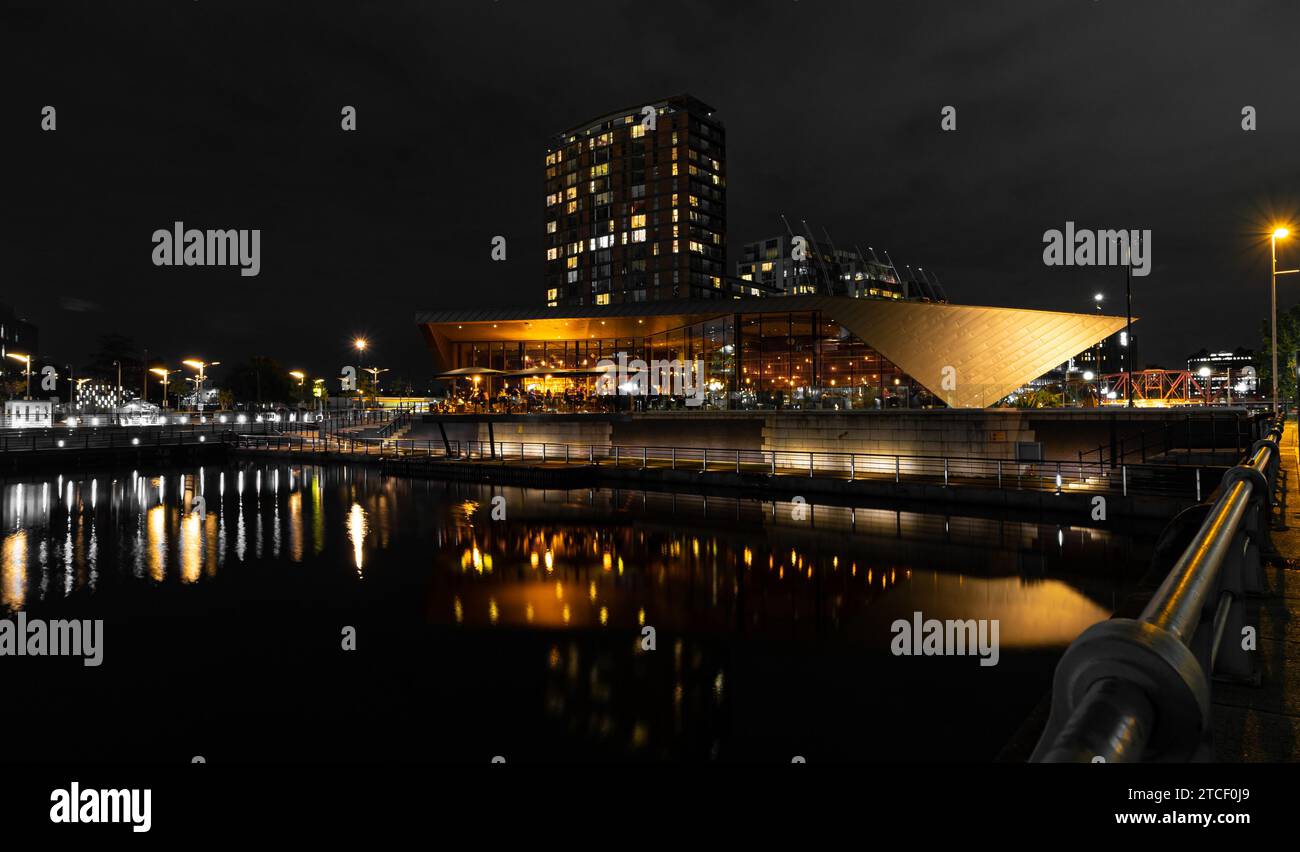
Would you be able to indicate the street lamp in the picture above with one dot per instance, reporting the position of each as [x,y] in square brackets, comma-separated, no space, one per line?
[27,361]
[163,373]
[1097,298]
[201,367]
[1279,233]
[374,373]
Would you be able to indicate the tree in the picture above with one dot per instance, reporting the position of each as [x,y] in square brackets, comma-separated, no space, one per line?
[261,379]
[1288,339]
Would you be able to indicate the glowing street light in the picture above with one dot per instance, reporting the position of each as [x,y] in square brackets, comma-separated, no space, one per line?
[163,373]
[1279,233]
[27,360]
[201,367]
[360,344]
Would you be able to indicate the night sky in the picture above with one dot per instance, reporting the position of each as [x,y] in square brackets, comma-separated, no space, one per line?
[226,115]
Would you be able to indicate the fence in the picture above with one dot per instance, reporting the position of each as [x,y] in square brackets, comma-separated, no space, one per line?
[1138,689]
[1185,482]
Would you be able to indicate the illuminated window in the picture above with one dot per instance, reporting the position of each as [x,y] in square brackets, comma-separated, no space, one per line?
[552,254]
[553,293]
[550,227]
[602,298]
[638,220]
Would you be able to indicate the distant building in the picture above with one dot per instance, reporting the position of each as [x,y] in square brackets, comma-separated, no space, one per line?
[19,336]
[1115,354]
[825,269]
[1229,374]
[28,414]
[99,397]
[635,213]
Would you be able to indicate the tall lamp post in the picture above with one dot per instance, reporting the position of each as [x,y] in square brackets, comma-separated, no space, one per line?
[302,379]
[360,345]
[1278,234]
[1128,324]
[201,367]
[163,373]
[117,400]
[27,361]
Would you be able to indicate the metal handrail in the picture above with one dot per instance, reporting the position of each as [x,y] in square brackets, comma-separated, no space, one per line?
[1004,474]
[1138,689]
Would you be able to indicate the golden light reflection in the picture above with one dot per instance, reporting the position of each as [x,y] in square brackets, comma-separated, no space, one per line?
[295,526]
[357,529]
[13,570]
[156,547]
[191,548]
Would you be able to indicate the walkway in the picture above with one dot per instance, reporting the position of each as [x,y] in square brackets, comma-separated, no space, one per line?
[1253,724]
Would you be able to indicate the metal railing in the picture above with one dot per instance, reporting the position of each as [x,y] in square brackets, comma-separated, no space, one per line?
[107,437]
[1138,689]
[1212,432]
[399,421]
[1184,482]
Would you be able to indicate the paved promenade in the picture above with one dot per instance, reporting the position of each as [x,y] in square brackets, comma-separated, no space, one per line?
[1262,723]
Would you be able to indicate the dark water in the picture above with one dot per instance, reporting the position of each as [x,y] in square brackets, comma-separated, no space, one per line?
[521,637]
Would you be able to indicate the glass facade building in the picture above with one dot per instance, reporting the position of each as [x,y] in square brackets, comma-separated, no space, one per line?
[828,352]
[769,359]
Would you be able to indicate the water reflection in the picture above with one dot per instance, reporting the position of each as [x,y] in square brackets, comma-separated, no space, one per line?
[590,558]
[749,599]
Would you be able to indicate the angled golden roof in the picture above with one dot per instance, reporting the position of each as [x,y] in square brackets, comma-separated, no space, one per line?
[972,356]
[969,356]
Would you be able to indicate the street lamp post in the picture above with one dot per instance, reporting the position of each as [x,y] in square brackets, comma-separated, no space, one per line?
[360,345]
[201,367]
[302,379]
[117,400]
[76,392]
[163,374]
[374,374]
[1128,325]
[27,370]
[1278,234]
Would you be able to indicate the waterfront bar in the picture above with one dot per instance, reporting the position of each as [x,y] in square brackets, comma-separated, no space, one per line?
[822,352]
